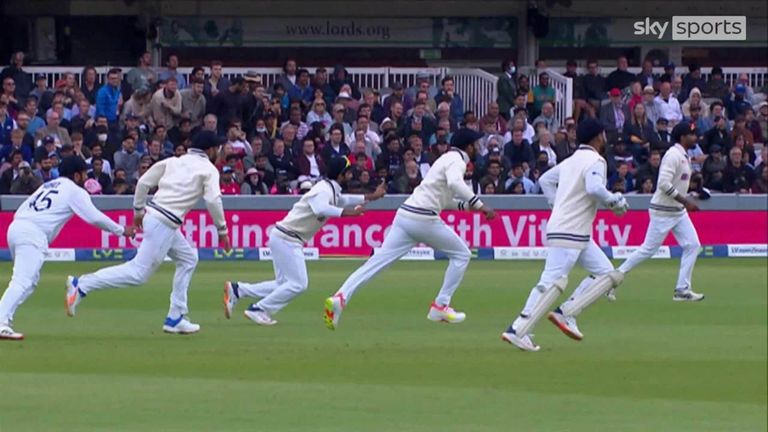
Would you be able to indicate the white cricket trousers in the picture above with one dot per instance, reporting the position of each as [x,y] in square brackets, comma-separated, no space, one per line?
[290,276]
[685,234]
[407,232]
[27,245]
[159,240]
[560,261]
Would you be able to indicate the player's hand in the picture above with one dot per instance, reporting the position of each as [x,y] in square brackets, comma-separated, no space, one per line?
[129,231]
[691,206]
[138,220]
[358,210]
[489,213]
[380,191]
[224,242]
[618,204]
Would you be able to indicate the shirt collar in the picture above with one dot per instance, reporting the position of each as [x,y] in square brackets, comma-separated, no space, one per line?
[463,154]
[197,152]
[586,147]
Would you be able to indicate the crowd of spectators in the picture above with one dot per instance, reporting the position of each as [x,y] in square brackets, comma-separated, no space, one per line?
[279,139]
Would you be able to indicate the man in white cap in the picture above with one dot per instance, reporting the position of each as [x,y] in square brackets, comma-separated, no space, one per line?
[418,221]
[286,244]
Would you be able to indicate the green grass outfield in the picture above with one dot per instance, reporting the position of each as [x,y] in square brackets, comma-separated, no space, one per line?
[646,363]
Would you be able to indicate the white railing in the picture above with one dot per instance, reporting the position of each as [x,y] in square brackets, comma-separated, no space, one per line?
[476,87]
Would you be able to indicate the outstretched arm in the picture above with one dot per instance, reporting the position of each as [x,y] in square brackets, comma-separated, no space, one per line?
[82,205]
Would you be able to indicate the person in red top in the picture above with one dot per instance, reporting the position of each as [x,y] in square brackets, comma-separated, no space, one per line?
[228,184]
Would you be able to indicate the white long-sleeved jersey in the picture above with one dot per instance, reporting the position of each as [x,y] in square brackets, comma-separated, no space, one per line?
[442,188]
[309,214]
[181,182]
[575,188]
[54,203]
[674,178]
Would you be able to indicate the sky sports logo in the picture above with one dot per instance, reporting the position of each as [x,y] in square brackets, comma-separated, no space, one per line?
[694,28]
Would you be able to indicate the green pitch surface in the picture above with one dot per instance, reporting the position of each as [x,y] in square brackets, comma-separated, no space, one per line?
[646,363]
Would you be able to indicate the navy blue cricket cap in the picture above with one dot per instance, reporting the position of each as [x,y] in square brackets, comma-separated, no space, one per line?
[71,165]
[465,137]
[588,130]
[338,166]
[681,129]
[205,140]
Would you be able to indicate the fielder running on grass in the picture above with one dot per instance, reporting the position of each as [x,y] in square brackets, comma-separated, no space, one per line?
[418,221]
[286,243]
[575,188]
[181,182]
[669,212]
[36,224]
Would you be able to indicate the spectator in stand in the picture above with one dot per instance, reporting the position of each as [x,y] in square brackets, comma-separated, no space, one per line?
[25,182]
[82,116]
[344,99]
[740,103]
[493,116]
[718,135]
[171,70]
[751,124]
[652,107]
[760,185]
[448,94]
[703,124]
[717,109]
[60,135]
[341,77]
[542,93]
[546,144]
[320,81]
[622,174]
[714,168]
[35,122]
[90,84]
[618,153]
[282,159]
[142,77]
[580,104]
[78,148]
[639,131]
[390,158]
[15,70]
[302,129]
[7,123]
[16,145]
[335,147]
[97,173]
[289,76]
[338,118]
[397,95]
[519,150]
[694,99]
[319,114]
[137,106]
[635,95]
[507,88]
[547,117]
[253,184]
[662,139]
[64,114]
[443,113]
[670,107]
[289,137]
[236,139]
[517,175]
[97,153]
[128,158]
[227,182]
[372,139]
[42,93]
[419,122]
[193,104]
[22,124]
[265,171]
[650,169]
[228,104]
[155,150]
[45,171]
[716,87]
[371,99]
[9,95]
[302,91]
[743,80]
[676,89]
[109,99]
[594,84]
[215,83]
[408,180]
[740,130]
[738,176]
[620,78]
[669,73]
[614,115]
[693,79]
[179,134]
[308,164]
[255,101]
[646,77]
[421,78]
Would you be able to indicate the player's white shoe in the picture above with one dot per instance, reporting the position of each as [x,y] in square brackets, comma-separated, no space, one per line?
[566,324]
[445,313]
[7,333]
[259,316]
[332,311]
[230,298]
[180,325]
[74,295]
[687,295]
[611,295]
[525,343]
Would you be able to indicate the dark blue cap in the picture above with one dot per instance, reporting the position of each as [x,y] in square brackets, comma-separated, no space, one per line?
[338,166]
[205,140]
[588,130]
[465,137]
[71,165]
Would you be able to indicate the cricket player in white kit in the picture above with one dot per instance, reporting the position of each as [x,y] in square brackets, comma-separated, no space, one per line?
[418,221]
[575,188]
[36,224]
[669,212]
[286,243]
[181,183]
